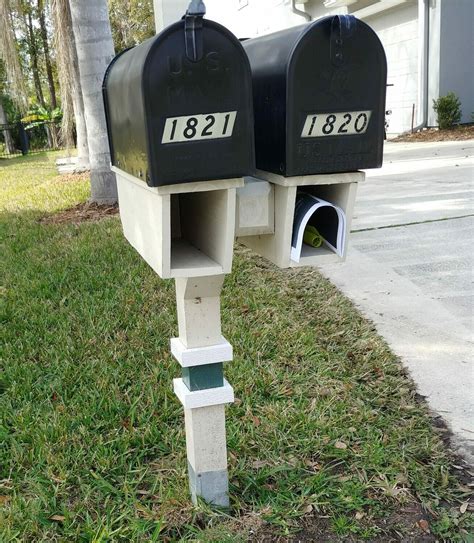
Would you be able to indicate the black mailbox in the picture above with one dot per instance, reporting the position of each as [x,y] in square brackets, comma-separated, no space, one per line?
[179,105]
[319,97]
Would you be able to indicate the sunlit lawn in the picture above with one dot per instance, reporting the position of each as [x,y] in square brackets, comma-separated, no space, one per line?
[92,446]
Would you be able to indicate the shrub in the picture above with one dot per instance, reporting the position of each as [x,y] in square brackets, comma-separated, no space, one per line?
[448,110]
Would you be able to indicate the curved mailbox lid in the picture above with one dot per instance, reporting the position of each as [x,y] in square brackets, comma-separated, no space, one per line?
[333,66]
[172,119]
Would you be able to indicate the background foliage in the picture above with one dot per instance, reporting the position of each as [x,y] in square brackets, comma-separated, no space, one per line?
[31,20]
[448,110]
[132,22]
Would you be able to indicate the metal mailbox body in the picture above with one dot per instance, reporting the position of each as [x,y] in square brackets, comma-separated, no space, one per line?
[172,119]
[319,97]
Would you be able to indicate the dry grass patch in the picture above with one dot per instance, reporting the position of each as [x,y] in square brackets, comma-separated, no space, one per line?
[85,212]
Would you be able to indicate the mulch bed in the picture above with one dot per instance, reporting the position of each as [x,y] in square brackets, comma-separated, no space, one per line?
[73,176]
[409,524]
[458,133]
[86,212]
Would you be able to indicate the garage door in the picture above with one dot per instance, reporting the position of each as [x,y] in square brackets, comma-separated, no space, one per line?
[398,30]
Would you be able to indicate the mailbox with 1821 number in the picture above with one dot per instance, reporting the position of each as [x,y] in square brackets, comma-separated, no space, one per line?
[173,118]
[319,97]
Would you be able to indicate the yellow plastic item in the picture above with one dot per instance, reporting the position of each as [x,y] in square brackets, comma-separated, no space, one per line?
[312,237]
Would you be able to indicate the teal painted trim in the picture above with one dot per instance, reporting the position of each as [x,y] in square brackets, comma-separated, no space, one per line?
[203,377]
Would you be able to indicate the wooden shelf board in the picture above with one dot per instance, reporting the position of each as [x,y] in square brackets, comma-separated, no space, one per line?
[186,258]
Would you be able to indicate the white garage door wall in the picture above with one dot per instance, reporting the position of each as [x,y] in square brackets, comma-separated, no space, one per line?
[398,31]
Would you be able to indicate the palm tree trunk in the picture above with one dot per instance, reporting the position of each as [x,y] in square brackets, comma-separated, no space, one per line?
[81,131]
[70,84]
[95,50]
[83,161]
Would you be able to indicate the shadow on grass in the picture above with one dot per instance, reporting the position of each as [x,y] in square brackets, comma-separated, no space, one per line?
[41,156]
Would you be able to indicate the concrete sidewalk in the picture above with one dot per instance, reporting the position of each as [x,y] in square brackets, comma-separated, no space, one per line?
[410,270]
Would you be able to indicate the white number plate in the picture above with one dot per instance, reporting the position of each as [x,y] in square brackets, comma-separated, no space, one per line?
[199,127]
[336,124]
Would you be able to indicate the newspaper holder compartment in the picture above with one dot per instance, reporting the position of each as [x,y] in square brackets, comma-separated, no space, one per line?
[339,189]
[184,230]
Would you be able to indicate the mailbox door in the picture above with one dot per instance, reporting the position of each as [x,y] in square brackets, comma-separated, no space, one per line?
[336,98]
[199,114]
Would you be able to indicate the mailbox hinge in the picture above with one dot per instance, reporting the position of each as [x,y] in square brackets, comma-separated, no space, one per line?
[193,30]
[341,28]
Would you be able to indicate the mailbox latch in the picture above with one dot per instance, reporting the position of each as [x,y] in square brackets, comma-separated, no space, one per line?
[193,30]
[341,29]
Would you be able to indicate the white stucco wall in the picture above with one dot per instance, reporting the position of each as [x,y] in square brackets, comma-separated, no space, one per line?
[250,18]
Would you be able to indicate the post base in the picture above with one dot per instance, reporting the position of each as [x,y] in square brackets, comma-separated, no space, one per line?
[207,454]
[211,486]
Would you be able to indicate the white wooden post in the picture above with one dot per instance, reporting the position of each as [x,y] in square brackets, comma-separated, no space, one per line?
[203,391]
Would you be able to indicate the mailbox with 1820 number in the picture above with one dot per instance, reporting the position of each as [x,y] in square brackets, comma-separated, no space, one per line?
[319,97]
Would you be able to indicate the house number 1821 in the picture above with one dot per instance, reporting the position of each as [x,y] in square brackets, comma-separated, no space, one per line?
[199,127]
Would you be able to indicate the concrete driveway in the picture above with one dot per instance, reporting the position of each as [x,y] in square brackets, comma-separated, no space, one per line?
[410,270]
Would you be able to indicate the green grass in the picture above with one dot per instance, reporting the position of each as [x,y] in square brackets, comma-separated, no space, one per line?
[92,442]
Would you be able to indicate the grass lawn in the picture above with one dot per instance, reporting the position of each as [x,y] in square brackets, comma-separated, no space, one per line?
[326,437]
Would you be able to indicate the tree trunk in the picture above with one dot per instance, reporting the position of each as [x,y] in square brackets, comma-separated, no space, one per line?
[33,52]
[47,56]
[95,50]
[81,131]
[70,86]
[9,143]
[83,162]
[49,137]
[49,72]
